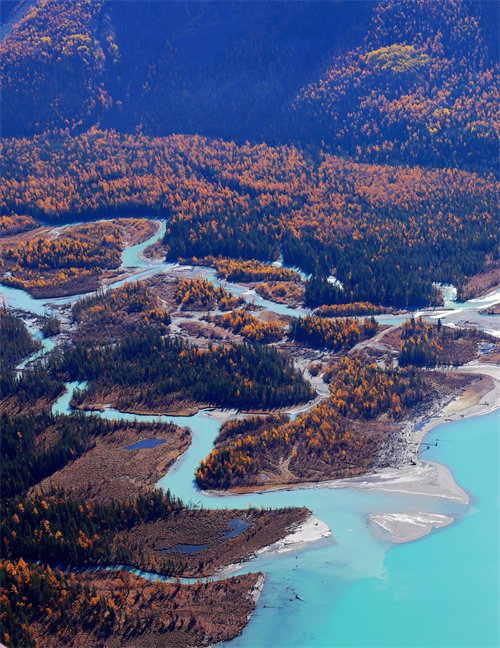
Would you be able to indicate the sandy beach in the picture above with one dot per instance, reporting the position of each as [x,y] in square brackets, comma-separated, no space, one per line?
[471,314]
[416,477]
[310,530]
[428,477]
[257,590]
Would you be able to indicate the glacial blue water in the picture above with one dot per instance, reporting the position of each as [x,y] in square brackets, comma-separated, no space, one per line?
[357,589]
[440,591]
[20,299]
[47,344]
[131,256]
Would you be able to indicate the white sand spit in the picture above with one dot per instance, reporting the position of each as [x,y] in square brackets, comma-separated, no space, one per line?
[310,530]
[405,527]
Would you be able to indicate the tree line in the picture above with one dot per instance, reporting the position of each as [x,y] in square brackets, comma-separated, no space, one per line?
[324,442]
[30,385]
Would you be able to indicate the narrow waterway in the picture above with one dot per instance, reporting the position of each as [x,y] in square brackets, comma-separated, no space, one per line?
[358,589]
[140,267]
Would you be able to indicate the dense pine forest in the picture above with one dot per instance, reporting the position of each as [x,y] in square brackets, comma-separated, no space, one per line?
[55,529]
[334,334]
[110,314]
[26,388]
[17,343]
[398,81]
[26,460]
[323,440]
[241,376]
[387,233]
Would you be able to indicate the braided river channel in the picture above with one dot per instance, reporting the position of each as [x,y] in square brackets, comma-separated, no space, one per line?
[357,588]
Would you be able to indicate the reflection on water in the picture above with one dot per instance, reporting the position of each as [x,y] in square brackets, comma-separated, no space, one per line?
[236,528]
[187,548]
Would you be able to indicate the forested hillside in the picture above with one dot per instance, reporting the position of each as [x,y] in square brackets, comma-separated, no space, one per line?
[242,376]
[386,232]
[393,81]
[358,138]
[419,89]
[29,388]
[339,156]
[224,69]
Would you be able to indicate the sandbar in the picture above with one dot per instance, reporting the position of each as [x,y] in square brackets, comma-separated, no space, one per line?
[404,527]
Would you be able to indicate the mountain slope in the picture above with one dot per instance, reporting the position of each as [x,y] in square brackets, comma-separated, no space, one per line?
[398,81]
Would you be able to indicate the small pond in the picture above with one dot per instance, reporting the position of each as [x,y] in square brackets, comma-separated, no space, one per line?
[147,443]
[236,526]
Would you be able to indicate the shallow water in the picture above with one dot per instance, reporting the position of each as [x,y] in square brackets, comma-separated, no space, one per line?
[48,343]
[439,591]
[20,299]
[147,443]
[360,590]
[131,259]
[131,256]
[490,298]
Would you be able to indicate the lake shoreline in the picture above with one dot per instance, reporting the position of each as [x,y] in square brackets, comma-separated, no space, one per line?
[423,478]
[298,537]
[427,478]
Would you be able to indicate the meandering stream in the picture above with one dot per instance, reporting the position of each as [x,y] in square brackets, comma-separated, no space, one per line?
[358,590]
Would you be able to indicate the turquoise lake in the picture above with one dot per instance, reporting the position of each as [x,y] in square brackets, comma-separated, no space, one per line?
[440,591]
[360,590]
